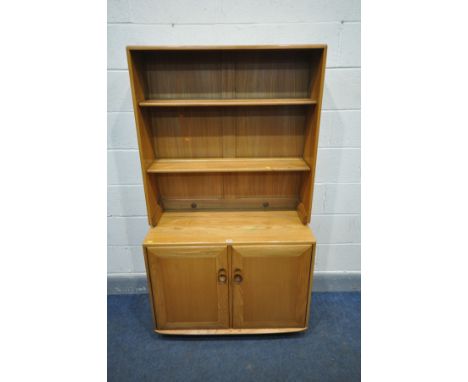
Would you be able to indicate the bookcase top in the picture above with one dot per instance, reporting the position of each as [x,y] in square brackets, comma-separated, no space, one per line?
[225,47]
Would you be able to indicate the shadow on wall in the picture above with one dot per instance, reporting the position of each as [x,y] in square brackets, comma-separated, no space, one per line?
[331,159]
[123,169]
[325,235]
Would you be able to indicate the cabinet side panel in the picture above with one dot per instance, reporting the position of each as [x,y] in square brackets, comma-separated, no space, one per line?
[311,281]
[150,288]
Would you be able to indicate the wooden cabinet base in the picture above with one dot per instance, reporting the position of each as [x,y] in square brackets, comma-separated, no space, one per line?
[250,275]
[225,332]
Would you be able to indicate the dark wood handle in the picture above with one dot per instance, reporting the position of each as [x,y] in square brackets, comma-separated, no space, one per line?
[222,278]
[238,278]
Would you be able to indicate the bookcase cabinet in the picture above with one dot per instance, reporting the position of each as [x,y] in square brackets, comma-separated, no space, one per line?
[228,143]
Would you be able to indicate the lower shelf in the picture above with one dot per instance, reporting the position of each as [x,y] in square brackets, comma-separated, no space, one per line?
[227,165]
[203,332]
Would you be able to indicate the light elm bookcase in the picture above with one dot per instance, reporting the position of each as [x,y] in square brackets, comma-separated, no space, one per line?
[228,141]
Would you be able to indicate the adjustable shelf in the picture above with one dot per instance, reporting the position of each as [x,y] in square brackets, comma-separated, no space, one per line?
[227,102]
[228,165]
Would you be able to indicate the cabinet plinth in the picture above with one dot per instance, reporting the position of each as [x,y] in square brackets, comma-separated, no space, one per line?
[228,139]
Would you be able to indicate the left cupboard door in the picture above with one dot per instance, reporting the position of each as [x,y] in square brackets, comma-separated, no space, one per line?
[189,286]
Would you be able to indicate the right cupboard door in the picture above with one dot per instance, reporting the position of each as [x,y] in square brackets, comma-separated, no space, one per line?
[270,285]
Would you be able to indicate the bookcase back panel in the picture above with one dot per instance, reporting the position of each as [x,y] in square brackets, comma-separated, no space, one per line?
[272,74]
[270,132]
[183,75]
[212,132]
[189,132]
[190,186]
[217,74]
[231,190]
[248,185]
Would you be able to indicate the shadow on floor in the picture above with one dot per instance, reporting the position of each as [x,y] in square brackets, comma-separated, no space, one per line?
[329,351]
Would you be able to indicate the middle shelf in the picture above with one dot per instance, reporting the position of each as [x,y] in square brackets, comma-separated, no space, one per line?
[227,165]
[227,102]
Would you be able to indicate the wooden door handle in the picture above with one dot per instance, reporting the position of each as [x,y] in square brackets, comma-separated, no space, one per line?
[222,278]
[237,276]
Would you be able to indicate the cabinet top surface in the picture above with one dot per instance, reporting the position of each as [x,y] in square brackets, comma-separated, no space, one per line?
[224,47]
[246,227]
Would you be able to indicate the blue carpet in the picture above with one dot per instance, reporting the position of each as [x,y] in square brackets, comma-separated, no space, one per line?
[329,351]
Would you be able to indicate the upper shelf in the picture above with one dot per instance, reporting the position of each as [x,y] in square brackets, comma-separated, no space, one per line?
[228,165]
[227,102]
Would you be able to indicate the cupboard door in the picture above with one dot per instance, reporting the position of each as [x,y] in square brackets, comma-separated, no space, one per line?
[270,285]
[190,286]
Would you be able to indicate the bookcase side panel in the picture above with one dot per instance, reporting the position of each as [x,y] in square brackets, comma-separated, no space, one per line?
[144,136]
[312,129]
